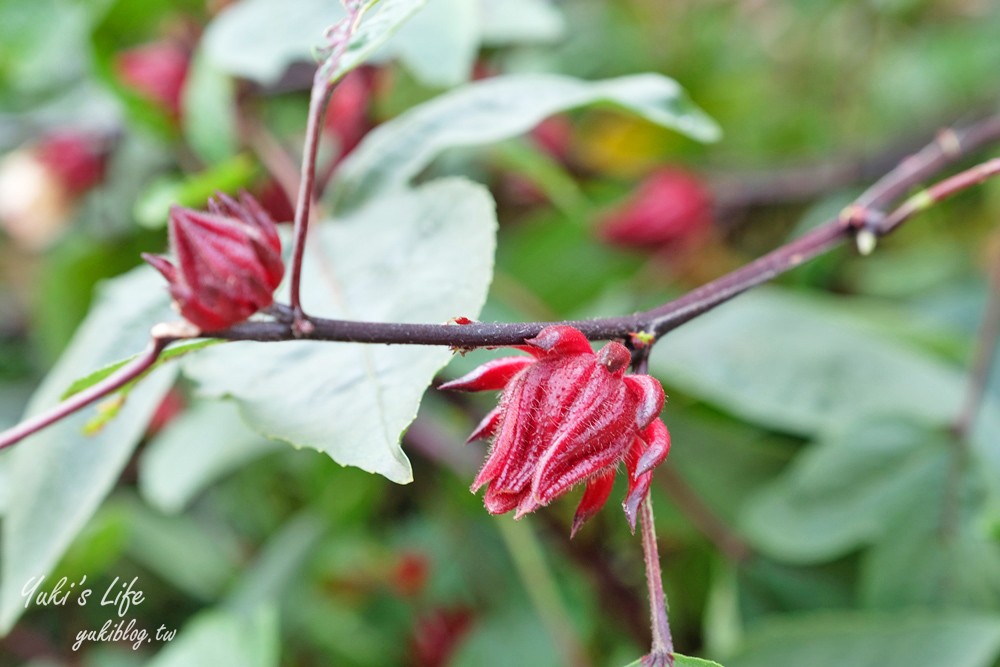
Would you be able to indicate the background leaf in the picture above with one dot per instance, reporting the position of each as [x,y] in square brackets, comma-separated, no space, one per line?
[417,256]
[441,43]
[845,491]
[209,112]
[197,448]
[791,363]
[516,21]
[224,638]
[59,477]
[871,640]
[285,32]
[498,108]
[281,33]
[377,25]
[438,46]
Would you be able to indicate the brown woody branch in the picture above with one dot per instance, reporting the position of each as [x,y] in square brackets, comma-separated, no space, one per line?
[865,219]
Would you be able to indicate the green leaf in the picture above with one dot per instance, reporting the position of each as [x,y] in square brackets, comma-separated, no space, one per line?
[279,565]
[424,255]
[872,640]
[794,364]
[682,661]
[205,442]
[209,112]
[381,20]
[93,378]
[491,641]
[499,108]
[752,457]
[152,207]
[259,39]
[518,21]
[440,44]
[224,638]
[687,661]
[58,477]
[842,493]
[951,559]
[192,556]
[914,494]
[42,45]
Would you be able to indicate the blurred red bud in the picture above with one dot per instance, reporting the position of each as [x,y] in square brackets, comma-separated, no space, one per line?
[410,573]
[670,206]
[77,159]
[347,116]
[170,407]
[554,136]
[156,71]
[436,634]
[40,185]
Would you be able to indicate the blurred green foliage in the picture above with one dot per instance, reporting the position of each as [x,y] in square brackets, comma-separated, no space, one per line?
[815,510]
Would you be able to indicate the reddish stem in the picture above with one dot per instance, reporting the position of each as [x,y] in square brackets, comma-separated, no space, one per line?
[865,215]
[661,653]
[323,85]
[120,378]
[322,89]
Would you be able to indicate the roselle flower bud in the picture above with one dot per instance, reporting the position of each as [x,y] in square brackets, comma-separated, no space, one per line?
[670,206]
[567,416]
[228,261]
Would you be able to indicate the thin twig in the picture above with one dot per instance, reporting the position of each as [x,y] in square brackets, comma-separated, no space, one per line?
[322,89]
[323,85]
[120,378]
[938,192]
[863,216]
[661,653]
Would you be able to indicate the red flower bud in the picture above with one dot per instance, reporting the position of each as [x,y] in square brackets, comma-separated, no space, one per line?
[41,185]
[437,634]
[669,206]
[565,417]
[156,71]
[77,159]
[554,136]
[229,261]
[347,115]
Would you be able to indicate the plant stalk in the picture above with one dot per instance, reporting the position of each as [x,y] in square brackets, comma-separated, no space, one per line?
[661,652]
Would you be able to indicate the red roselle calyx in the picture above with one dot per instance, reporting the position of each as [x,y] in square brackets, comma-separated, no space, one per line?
[228,261]
[567,416]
